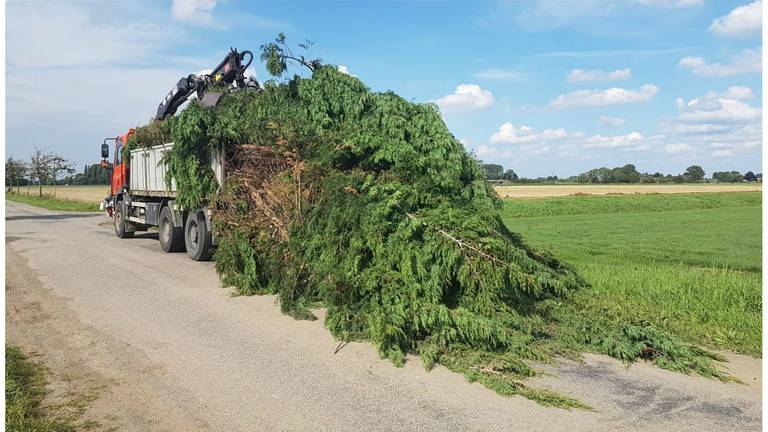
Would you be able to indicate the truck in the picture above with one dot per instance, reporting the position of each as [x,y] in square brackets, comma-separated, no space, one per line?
[141,194]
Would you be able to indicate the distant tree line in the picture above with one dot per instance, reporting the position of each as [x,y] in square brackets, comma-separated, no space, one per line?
[496,172]
[624,174]
[46,168]
[92,175]
[735,176]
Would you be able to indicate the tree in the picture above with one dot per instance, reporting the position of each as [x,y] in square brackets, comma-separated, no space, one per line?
[510,175]
[60,164]
[45,166]
[626,174]
[14,173]
[750,176]
[597,175]
[728,177]
[277,56]
[694,173]
[39,168]
[493,171]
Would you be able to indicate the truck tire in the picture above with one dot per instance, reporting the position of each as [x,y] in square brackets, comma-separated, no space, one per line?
[171,237]
[197,237]
[120,222]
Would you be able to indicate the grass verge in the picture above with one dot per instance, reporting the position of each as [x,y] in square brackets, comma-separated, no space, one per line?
[689,265]
[51,203]
[24,391]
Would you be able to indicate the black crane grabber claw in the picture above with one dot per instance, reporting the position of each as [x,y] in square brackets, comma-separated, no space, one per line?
[231,70]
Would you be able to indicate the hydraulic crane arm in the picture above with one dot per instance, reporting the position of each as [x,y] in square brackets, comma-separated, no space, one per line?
[230,70]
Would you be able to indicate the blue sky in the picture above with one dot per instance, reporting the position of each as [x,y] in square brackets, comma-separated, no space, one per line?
[542,87]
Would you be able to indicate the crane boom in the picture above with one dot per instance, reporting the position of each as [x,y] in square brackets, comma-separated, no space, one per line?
[230,70]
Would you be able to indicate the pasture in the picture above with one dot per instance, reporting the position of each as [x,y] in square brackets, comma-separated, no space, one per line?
[689,263]
[549,190]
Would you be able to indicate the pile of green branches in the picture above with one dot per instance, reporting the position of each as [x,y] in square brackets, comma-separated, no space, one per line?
[374,210]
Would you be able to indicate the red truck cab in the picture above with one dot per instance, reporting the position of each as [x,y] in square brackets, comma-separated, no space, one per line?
[120,170]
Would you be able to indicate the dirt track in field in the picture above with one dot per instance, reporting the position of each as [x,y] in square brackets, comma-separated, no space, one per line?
[90,193]
[545,191]
[154,343]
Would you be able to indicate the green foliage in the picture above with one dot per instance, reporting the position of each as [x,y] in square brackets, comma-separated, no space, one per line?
[92,175]
[694,173]
[503,374]
[493,171]
[24,390]
[381,216]
[631,341]
[626,174]
[728,177]
[277,55]
[15,170]
[510,175]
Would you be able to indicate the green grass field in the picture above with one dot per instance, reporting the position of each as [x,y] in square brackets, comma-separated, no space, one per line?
[47,201]
[690,264]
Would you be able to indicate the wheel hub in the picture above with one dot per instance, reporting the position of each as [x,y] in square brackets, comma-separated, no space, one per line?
[166,231]
[193,233]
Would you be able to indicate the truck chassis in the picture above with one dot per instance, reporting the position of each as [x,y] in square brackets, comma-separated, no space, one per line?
[149,200]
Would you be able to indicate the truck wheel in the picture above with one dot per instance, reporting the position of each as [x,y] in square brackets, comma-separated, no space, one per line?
[171,238]
[197,237]
[120,223]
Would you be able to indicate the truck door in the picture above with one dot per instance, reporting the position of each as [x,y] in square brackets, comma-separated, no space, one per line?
[118,172]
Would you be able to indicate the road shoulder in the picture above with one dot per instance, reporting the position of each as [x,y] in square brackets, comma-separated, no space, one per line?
[100,382]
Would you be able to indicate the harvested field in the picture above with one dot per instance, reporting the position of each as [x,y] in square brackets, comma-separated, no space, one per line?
[90,193]
[543,191]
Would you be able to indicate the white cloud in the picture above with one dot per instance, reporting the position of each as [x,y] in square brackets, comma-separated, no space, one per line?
[671,4]
[721,121]
[548,14]
[723,153]
[70,35]
[747,61]
[487,151]
[743,21]
[581,75]
[68,62]
[716,110]
[484,150]
[197,12]
[345,70]
[616,141]
[677,148]
[530,141]
[739,93]
[509,134]
[726,149]
[696,129]
[466,97]
[738,146]
[611,121]
[598,98]
[500,75]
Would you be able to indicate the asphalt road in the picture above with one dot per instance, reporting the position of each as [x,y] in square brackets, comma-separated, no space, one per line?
[169,349]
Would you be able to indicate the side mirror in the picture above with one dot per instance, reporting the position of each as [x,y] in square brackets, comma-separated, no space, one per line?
[104,151]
